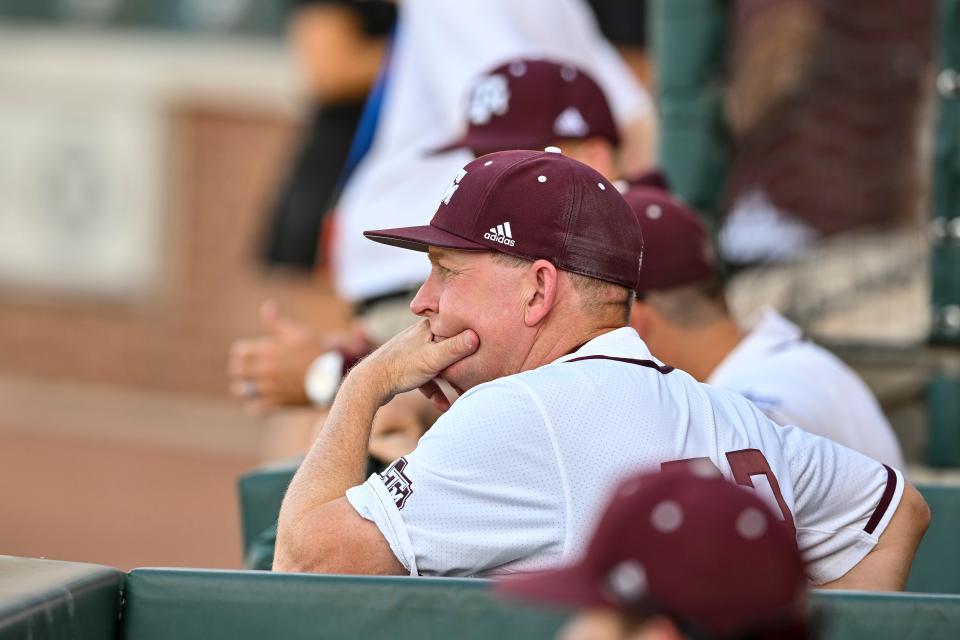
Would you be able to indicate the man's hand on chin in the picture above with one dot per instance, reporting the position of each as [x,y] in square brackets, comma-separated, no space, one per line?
[412,360]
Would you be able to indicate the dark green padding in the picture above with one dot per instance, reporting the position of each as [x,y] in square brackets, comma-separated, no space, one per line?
[255,605]
[936,567]
[163,604]
[261,492]
[855,615]
[47,599]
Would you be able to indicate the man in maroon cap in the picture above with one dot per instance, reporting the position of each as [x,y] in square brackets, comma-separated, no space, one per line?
[525,103]
[535,103]
[681,314]
[534,259]
[680,554]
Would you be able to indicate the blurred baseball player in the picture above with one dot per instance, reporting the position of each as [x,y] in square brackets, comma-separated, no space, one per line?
[682,316]
[525,103]
[662,561]
[532,103]
[534,259]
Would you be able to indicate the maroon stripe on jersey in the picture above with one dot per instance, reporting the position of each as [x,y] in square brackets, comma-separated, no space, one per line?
[643,363]
[884,501]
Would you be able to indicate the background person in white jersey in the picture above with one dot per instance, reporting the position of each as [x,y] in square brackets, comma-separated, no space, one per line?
[560,400]
[681,314]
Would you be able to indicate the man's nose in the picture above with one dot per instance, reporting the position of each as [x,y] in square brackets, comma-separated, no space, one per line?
[424,303]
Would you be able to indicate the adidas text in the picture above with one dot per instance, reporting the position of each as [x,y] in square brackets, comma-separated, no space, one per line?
[501,233]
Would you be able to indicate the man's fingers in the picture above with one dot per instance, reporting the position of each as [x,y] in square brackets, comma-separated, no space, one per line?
[455,348]
[241,358]
[435,394]
[246,356]
[244,389]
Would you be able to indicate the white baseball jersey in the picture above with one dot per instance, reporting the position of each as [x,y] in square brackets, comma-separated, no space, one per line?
[795,381]
[440,49]
[514,476]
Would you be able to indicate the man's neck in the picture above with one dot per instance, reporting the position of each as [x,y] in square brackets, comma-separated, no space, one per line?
[701,350]
[551,345]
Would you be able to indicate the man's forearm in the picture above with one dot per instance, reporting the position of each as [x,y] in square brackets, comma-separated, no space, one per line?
[336,460]
[335,463]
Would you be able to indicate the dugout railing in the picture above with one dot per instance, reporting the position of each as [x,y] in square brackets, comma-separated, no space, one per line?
[46,600]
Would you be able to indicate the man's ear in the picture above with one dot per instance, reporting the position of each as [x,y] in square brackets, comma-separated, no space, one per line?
[542,280]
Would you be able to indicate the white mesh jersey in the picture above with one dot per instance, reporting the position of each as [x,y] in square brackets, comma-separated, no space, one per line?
[514,475]
[795,381]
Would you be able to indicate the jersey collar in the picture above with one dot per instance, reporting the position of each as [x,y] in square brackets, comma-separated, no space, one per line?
[623,343]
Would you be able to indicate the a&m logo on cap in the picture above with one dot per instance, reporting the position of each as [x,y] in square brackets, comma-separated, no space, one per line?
[451,189]
[491,96]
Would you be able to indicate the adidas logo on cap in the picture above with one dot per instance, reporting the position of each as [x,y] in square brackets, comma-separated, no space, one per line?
[502,234]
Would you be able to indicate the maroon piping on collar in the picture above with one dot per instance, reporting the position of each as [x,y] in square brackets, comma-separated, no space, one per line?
[662,368]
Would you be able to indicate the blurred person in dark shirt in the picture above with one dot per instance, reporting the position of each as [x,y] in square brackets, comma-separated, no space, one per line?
[339,46]
[624,24]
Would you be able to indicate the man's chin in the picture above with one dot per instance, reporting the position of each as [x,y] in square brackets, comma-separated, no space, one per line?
[460,376]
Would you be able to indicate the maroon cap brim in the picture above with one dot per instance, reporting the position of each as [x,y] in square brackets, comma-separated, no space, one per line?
[483,144]
[459,143]
[569,586]
[419,238]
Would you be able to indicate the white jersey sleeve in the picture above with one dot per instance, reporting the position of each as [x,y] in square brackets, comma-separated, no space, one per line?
[843,502]
[482,493]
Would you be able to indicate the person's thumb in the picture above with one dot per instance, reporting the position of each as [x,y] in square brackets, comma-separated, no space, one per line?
[455,348]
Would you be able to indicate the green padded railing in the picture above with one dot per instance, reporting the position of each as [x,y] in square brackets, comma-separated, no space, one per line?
[936,567]
[43,599]
[261,493]
[48,600]
[163,604]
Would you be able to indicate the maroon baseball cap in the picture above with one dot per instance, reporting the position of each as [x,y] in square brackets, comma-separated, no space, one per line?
[688,544]
[533,205]
[529,104]
[678,248]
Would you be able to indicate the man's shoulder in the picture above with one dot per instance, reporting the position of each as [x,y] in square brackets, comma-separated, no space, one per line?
[501,395]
